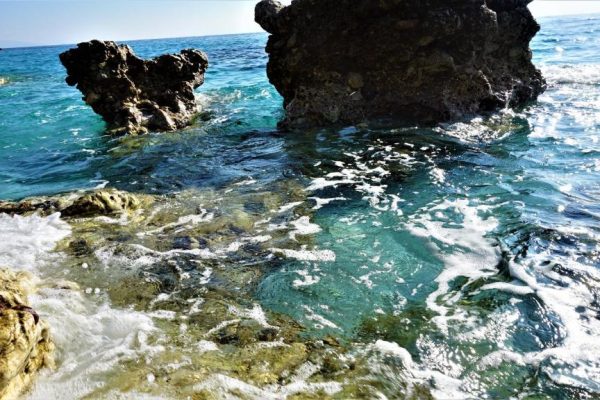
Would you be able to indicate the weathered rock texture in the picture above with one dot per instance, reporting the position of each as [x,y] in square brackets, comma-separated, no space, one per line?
[135,95]
[94,203]
[343,61]
[25,345]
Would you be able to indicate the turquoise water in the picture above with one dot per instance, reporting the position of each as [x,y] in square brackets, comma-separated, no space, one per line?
[475,245]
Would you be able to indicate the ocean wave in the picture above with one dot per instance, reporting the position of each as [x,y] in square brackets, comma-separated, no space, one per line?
[587,74]
[91,336]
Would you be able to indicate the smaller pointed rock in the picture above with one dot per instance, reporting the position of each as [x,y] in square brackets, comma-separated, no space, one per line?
[135,95]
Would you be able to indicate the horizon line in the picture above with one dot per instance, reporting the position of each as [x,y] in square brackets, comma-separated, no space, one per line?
[30,46]
[123,41]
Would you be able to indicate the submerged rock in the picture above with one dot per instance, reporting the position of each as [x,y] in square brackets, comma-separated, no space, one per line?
[135,95]
[344,61]
[25,345]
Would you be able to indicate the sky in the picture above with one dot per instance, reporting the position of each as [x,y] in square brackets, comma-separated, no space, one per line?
[43,22]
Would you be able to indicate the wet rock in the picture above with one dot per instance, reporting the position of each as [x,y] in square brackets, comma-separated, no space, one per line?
[44,206]
[102,202]
[135,95]
[25,345]
[98,202]
[80,247]
[344,61]
[266,12]
[186,243]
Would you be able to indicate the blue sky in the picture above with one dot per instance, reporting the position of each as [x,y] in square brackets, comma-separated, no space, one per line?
[27,22]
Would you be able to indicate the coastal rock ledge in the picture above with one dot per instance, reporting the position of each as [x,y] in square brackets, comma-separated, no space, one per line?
[344,61]
[135,95]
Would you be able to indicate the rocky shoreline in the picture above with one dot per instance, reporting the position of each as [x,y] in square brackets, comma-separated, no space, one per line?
[208,256]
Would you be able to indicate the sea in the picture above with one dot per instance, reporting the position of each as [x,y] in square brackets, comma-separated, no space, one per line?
[455,262]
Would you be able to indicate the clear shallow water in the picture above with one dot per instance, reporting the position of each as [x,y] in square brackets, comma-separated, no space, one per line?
[474,246]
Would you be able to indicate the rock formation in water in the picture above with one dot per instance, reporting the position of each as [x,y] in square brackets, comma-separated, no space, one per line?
[94,203]
[344,61]
[103,202]
[25,345]
[135,95]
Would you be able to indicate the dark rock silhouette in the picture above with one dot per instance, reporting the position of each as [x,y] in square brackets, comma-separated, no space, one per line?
[344,61]
[135,95]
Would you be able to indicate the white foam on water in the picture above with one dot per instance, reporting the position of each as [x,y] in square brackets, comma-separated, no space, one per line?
[444,387]
[91,340]
[572,74]
[258,239]
[465,249]
[306,279]
[306,255]
[365,174]
[123,220]
[320,321]
[322,183]
[25,242]
[395,350]
[303,226]
[228,388]
[438,175]
[290,206]
[323,202]
[202,253]
[91,337]
[575,361]
[256,313]
[249,181]
[186,221]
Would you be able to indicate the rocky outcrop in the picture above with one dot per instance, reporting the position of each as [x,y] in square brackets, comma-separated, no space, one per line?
[95,203]
[25,345]
[103,202]
[135,95]
[344,61]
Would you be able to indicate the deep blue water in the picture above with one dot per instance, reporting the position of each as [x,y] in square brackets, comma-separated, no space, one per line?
[490,227]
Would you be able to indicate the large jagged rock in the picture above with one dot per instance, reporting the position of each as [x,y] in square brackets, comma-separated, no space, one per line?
[135,95]
[25,345]
[344,61]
